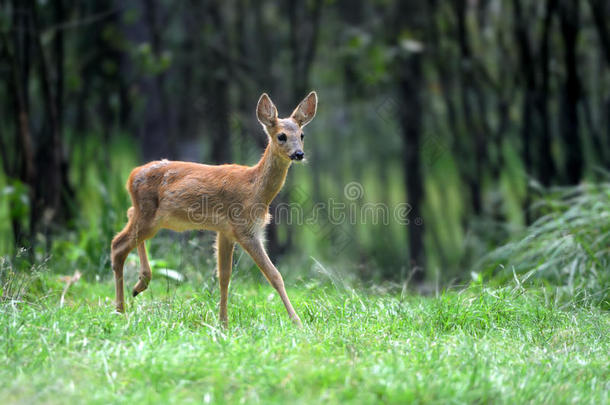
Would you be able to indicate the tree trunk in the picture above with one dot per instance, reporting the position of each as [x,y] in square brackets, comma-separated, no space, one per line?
[529,76]
[410,87]
[163,120]
[185,111]
[599,12]
[27,171]
[58,45]
[52,149]
[218,96]
[569,13]
[545,164]
[468,92]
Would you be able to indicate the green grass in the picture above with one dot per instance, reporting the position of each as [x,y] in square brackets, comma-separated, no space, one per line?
[568,246]
[478,345]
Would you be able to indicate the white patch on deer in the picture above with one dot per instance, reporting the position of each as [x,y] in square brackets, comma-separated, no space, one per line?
[167,176]
[157,165]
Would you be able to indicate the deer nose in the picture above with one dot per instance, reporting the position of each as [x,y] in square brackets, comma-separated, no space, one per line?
[298,155]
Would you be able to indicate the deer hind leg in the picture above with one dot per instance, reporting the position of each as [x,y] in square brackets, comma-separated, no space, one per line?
[134,232]
[145,272]
[224,253]
[256,250]
[121,245]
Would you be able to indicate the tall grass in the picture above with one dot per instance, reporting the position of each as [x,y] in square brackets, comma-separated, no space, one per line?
[567,247]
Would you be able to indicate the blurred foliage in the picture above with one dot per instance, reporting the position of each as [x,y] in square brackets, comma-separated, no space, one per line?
[511,98]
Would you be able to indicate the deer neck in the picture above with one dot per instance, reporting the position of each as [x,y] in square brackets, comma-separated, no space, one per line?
[271,174]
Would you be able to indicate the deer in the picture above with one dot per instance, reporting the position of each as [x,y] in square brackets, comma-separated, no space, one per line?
[230,199]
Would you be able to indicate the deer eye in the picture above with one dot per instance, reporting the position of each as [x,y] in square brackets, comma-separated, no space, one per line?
[281,137]
[302,136]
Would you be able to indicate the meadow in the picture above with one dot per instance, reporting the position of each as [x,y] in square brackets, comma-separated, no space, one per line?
[359,344]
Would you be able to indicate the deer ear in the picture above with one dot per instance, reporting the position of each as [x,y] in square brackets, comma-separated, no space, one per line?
[306,110]
[266,111]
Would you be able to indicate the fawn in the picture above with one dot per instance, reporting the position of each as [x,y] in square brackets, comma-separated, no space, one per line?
[231,199]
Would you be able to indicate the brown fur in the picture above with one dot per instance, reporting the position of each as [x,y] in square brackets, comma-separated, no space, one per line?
[231,199]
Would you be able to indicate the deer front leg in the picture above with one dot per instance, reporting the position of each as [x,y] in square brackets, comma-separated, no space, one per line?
[256,250]
[224,253]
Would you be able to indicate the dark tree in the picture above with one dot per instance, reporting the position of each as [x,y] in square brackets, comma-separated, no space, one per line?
[570,125]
